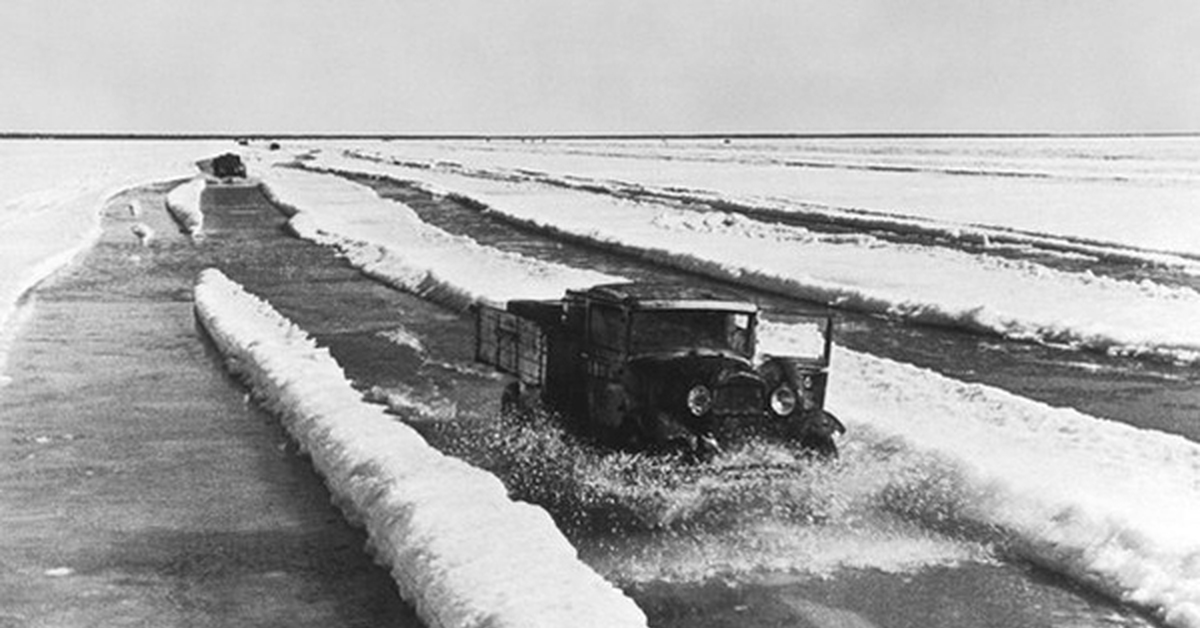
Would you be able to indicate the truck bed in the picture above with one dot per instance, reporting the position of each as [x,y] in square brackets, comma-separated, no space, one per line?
[510,343]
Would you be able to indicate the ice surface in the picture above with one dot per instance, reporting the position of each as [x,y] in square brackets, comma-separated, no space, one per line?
[1112,506]
[52,193]
[1115,507]
[1014,298]
[460,550]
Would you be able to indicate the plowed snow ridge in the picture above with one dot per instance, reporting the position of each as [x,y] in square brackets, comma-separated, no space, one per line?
[184,204]
[1112,506]
[1012,298]
[374,246]
[460,550]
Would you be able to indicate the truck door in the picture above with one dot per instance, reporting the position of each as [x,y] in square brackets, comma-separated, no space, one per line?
[604,357]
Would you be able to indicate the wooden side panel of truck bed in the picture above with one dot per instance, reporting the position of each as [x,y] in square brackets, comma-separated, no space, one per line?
[511,344]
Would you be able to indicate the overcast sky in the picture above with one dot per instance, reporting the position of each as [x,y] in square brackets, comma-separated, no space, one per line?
[600,66]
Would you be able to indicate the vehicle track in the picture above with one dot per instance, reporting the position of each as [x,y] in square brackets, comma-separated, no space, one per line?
[139,487]
[1149,395]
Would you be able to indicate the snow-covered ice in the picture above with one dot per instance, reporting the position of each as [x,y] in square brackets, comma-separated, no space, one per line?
[1112,506]
[51,196]
[1132,192]
[1107,504]
[460,550]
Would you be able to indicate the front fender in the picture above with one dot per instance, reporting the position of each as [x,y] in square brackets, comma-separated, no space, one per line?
[820,423]
[816,429]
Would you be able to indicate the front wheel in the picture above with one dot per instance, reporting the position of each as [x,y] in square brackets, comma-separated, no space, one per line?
[822,447]
[818,432]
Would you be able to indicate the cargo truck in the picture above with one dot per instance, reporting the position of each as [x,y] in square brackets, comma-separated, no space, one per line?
[660,366]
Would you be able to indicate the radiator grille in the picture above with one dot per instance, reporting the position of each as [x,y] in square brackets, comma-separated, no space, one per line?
[738,400]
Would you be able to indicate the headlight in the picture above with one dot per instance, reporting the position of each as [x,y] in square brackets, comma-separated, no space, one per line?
[699,400]
[783,401]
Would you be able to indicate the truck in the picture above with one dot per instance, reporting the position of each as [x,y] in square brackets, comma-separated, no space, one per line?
[228,166]
[660,367]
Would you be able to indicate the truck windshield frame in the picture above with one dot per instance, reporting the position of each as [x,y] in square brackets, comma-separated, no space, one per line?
[660,331]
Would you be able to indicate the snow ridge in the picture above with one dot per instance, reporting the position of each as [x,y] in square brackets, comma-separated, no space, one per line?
[979,293]
[901,199]
[184,204]
[460,550]
[381,237]
[1108,504]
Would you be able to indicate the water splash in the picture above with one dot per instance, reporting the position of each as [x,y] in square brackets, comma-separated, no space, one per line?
[762,507]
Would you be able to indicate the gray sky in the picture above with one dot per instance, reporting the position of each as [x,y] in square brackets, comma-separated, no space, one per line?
[546,66]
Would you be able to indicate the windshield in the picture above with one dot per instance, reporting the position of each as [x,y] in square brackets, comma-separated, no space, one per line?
[660,331]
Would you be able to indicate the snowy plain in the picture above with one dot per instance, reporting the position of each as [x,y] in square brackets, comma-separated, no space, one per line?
[1133,192]
[1107,504]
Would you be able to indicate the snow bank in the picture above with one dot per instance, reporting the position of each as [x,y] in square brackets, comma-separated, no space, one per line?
[33,249]
[1013,298]
[387,240]
[1111,505]
[459,549]
[184,204]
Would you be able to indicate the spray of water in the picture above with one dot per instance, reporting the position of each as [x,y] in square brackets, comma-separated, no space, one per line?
[597,490]
[762,506]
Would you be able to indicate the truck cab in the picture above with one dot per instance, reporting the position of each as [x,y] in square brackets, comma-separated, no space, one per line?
[659,366]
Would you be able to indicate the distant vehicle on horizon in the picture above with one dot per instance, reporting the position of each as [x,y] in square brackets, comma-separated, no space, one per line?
[661,367]
[228,166]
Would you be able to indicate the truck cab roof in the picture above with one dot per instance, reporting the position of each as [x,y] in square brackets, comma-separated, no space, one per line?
[667,296]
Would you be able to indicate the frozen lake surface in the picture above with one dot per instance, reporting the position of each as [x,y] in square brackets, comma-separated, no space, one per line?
[1081,243]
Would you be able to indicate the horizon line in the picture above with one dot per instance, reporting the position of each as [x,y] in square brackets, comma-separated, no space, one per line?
[89,135]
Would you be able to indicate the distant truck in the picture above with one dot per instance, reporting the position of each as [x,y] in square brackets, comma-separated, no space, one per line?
[659,367]
[228,166]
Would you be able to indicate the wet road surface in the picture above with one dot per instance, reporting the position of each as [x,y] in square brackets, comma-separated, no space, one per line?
[137,485]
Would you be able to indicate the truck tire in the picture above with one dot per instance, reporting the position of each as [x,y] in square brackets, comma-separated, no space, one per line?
[510,400]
